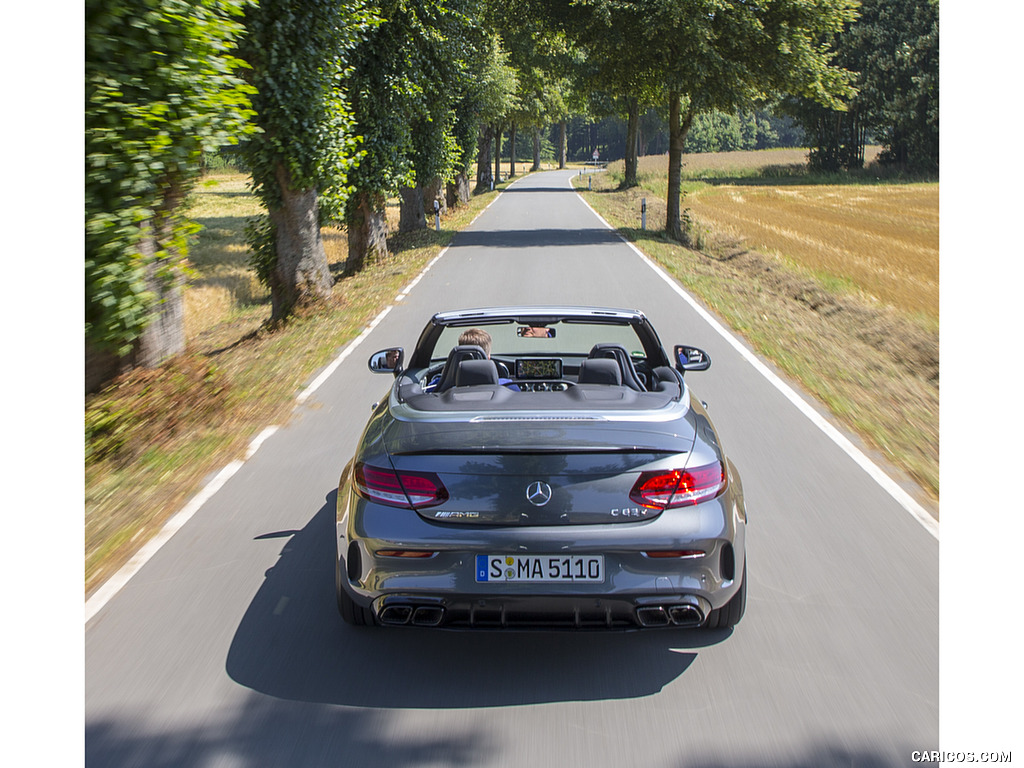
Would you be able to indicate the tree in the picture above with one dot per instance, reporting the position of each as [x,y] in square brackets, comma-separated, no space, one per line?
[894,48]
[898,85]
[704,55]
[493,97]
[302,160]
[448,41]
[389,87]
[161,88]
[711,55]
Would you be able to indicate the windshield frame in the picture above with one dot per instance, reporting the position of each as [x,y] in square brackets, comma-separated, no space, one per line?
[424,355]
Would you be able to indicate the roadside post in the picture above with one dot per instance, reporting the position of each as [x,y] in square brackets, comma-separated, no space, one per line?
[643,213]
[437,216]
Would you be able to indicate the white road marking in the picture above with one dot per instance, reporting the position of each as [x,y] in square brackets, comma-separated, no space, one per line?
[117,582]
[901,497]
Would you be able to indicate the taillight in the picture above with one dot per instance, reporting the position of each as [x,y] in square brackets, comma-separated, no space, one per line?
[678,487]
[399,489]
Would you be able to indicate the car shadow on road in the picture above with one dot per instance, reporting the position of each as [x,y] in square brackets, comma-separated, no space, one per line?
[292,644]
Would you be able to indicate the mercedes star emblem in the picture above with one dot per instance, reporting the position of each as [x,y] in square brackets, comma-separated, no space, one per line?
[538,493]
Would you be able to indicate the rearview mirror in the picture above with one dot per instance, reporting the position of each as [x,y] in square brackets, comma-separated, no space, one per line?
[387,361]
[535,332]
[691,358]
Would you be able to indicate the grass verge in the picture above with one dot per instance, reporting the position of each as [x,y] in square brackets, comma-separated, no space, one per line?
[871,363]
[154,436]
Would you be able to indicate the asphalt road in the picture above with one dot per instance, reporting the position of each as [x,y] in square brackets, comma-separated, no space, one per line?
[225,649]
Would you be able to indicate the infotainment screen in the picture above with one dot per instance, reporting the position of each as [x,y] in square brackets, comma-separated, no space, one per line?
[539,368]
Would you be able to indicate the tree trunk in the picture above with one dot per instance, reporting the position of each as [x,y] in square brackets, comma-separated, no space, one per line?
[301,274]
[561,144]
[632,128]
[483,159]
[434,190]
[677,137]
[497,153]
[536,149]
[411,216]
[457,191]
[512,150]
[164,334]
[367,232]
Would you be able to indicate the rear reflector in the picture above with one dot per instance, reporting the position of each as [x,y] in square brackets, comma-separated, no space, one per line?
[399,489]
[405,553]
[677,553]
[678,487]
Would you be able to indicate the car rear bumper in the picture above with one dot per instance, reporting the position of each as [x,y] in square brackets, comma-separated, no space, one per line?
[540,612]
[637,591]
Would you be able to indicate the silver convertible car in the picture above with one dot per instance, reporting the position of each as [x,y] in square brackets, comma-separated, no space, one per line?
[540,467]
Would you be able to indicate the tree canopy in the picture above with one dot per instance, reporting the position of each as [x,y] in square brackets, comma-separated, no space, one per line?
[306,150]
[162,87]
[893,47]
[345,103]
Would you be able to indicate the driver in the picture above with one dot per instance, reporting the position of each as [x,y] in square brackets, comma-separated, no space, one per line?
[482,339]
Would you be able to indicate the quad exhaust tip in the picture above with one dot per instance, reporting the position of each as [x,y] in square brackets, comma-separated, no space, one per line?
[680,615]
[417,615]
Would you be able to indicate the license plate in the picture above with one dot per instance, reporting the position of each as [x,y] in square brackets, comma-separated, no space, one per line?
[539,568]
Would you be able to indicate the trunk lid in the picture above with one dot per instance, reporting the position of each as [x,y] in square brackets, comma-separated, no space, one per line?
[511,474]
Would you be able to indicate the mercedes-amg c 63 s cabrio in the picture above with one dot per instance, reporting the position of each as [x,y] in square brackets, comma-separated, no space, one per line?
[540,467]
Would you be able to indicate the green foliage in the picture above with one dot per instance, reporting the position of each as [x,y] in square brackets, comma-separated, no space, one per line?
[406,87]
[894,48]
[161,88]
[899,81]
[299,51]
[448,37]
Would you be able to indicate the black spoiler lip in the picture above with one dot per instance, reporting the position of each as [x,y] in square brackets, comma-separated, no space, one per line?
[408,439]
[526,451]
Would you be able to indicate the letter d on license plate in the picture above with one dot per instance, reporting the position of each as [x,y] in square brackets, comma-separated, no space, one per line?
[540,568]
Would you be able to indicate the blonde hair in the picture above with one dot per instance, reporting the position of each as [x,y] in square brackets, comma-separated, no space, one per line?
[477,336]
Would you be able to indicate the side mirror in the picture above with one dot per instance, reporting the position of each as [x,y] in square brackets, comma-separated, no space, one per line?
[691,358]
[387,361]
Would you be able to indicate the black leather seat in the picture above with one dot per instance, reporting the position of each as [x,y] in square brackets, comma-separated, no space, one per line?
[618,353]
[600,371]
[472,373]
[451,366]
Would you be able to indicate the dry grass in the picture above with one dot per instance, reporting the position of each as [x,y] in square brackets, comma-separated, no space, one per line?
[834,282]
[882,239]
[153,436]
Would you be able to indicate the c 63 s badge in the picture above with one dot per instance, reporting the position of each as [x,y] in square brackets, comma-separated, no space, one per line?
[631,512]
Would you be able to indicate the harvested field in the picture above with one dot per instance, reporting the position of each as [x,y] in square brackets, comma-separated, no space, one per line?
[834,278]
[882,239]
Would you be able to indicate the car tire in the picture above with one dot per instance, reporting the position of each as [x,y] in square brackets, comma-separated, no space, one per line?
[729,615]
[352,613]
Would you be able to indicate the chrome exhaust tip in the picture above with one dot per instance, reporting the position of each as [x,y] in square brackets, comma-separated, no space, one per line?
[428,616]
[395,615]
[652,616]
[686,615]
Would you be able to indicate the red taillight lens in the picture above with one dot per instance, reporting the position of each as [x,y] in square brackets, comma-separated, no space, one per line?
[399,489]
[678,487]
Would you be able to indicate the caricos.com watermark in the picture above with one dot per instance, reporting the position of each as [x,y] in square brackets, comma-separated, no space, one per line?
[938,756]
